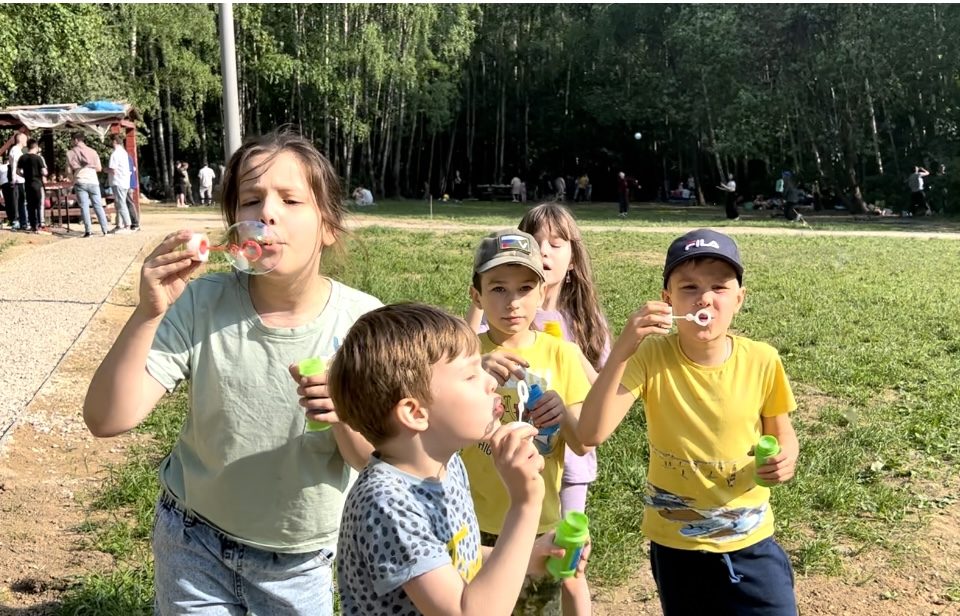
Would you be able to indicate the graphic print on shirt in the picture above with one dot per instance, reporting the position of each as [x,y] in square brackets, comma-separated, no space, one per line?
[695,520]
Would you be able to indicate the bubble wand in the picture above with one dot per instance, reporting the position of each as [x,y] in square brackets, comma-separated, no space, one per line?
[251,247]
[701,317]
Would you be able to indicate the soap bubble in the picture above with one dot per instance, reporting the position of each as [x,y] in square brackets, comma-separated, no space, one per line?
[252,247]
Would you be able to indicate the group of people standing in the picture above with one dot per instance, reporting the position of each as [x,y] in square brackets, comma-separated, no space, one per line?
[26,171]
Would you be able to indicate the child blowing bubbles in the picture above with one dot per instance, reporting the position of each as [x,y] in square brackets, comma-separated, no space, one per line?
[248,517]
[570,297]
[408,377]
[708,396]
[508,286]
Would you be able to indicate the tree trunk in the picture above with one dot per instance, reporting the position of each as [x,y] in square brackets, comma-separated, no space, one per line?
[710,131]
[873,125]
[433,141]
[164,165]
[398,142]
[850,158]
[453,141]
[893,143]
[203,136]
[168,112]
[471,128]
[503,129]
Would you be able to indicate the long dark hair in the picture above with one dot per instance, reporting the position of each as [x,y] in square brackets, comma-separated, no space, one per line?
[578,300]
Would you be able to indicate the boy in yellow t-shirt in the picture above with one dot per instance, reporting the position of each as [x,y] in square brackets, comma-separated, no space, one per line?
[508,287]
[708,397]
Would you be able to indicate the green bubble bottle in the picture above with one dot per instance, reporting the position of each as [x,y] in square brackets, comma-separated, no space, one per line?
[572,534]
[766,448]
[312,367]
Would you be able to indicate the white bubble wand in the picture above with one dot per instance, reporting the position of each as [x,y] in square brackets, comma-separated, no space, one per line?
[702,317]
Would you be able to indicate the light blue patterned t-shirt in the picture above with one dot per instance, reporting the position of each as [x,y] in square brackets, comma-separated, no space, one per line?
[397,527]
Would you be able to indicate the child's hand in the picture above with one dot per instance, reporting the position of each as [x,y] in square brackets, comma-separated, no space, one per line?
[314,396]
[548,411]
[165,273]
[779,468]
[544,547]
[652,318]
[519,463]
[502,365]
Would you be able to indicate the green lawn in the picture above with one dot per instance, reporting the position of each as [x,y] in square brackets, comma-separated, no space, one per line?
[501,213]
[869,331]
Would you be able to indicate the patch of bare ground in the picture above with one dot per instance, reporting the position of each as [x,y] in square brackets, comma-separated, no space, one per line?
[51,468]
[927,582]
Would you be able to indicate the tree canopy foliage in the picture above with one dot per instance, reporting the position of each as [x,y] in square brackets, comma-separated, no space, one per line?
[851,95]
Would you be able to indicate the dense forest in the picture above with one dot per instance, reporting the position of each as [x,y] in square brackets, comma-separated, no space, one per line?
[402,96]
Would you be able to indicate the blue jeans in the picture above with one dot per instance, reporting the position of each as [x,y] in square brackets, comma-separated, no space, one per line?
[754,581]
[198,570]
[120,203]
[86,192]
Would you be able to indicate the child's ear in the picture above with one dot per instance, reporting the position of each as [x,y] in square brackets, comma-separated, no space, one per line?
[475,297]
[410,414]
[741,296]
[665,296]
[328,237]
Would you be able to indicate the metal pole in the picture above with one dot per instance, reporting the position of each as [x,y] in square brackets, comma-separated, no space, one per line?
[228,69]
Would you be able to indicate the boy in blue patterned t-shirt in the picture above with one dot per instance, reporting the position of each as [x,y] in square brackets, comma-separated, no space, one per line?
[408,378]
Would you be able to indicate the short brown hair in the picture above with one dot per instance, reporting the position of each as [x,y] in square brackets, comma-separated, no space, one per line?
[321,176]
[388,355]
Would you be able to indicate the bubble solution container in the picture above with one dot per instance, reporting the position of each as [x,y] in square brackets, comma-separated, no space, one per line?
[312,367]
[535,394]
[766,448]
[573,532]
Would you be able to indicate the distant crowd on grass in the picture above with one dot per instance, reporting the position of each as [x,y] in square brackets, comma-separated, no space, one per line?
[443,464]
[787,196]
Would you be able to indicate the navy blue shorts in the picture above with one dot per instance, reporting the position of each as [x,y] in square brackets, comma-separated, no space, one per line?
[754,581]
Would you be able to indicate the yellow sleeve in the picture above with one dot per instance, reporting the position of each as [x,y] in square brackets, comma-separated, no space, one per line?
[779,398]
[634,377]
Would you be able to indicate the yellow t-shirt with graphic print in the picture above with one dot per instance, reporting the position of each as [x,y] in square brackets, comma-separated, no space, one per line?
[554,364]
[702,422]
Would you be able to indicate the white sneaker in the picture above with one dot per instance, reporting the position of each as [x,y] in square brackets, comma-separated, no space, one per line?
[123,231]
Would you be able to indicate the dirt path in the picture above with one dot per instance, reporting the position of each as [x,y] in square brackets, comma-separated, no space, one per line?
[50,465]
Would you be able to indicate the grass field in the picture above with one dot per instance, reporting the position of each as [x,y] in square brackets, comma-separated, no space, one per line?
[869,331]
[500,213]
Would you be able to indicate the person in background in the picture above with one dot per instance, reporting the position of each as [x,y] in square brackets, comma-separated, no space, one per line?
[118,169]
[17,210]
[205,177]
[7,195]
[730,188]
[84,164]
[32,169]
[918,199]
[131,199]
